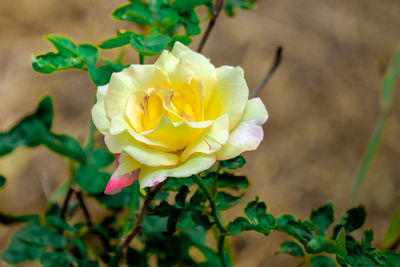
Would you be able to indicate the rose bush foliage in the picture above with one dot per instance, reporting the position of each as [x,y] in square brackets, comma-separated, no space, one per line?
[176,117]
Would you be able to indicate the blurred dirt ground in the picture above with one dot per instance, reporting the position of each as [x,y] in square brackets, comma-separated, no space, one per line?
[323,103]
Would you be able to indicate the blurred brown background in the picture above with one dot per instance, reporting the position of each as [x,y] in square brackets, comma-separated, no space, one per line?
[323,103]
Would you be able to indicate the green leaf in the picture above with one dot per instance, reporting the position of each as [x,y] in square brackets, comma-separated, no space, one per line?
[63,45]
[51,62]
[292,248]
[102,75]
[229,180]
[367,237]
[180,198]
[392,258]
[320,244]
[91,180]
[184,5]
[135,11]
[225,201]
[80,246]
[10,219]
[297,229]
[393,231]
[230,5]
[322,217]
[56,259]
[186,220]
[197,199]
[33,130]
[233,164]
[2,180]
[68,56]
[341,252]
[89,177]
[90,53]
[239,225]
[39,235]
[57,223]
[64,145]
[117,201]
[149,45]
[154,226]
[322,261]
[264,223]
[186,40]
[255,209]
[260,221]
[172,222]
[122,38]
[352,220]
[199,219]
[164,209]
[175,184]
[18,250]
[267,221]
[100,158]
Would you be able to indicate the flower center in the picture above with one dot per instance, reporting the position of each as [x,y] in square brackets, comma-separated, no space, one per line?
[145,109]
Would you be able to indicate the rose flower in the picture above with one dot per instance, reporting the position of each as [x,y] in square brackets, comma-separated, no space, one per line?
[175,118]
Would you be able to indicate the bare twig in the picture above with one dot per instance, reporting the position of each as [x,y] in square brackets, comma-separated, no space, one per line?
[84,208]
[275,65]
[217,8]
[138,226]
[66,202]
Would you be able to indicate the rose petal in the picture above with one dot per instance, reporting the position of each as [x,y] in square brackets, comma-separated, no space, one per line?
[136,78]
[197,163]
[119,125]
[248,134]
[99,116]
[230,95]
[212,140]
[177,135]
[145,155]
[201,66]
[126,173]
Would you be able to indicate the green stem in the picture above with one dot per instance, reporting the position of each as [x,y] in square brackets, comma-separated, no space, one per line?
[141,59]
[221,252]
[216,216]
[210,198]
[133,205]
[214,187]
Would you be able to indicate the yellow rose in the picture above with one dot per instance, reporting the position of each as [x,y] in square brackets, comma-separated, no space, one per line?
[176,117]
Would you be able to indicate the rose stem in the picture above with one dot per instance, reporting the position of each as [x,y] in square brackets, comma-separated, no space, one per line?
[66,202]
[84,208]
[268,75]
[217,8]
[141,59]
[138,226]
[215,214]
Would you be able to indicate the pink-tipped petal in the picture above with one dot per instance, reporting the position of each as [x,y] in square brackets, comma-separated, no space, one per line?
[156,183]
[118,156]
[116,183]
